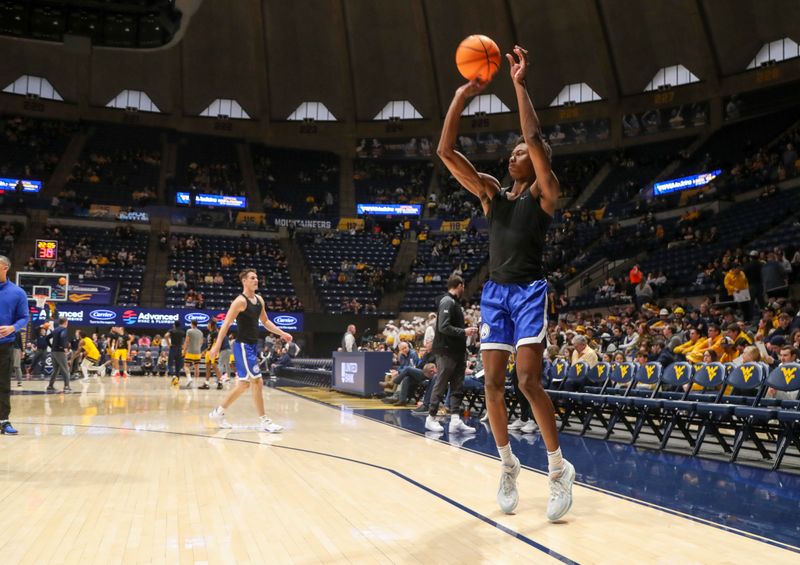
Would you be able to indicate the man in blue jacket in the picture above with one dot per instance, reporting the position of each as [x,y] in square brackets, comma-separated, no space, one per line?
[13,319]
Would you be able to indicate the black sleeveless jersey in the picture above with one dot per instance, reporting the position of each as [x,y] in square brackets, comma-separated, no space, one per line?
[517,231]
[247,322]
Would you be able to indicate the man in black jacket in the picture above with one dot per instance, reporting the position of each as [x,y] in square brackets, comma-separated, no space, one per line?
[450,347]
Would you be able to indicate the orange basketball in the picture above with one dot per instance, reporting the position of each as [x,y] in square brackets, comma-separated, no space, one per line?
[478,57]
[62,281]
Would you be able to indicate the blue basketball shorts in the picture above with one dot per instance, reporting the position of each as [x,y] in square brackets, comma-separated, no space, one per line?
[513,315]
[245,356]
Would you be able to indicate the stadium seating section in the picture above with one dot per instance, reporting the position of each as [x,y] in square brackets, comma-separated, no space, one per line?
[207,165]
[204,258]
[326,256]
[119,165]
[463,252]
[299,184]
[396,182]
[98,245]
[31,148]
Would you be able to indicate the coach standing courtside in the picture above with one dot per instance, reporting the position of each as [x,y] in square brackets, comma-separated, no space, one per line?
[450,347]
[13,318]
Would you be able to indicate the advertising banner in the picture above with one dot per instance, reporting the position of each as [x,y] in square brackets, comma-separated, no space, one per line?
[211,200]
[105,211]
[92,292]
[455,225]
[684,183]
[347,224]
[389,209]
[303,223]
[250,218]
[27,185]
[150,318]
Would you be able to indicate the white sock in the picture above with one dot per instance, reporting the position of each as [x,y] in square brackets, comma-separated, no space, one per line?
[506,456]
[219,410]
[454,417]
[554,462]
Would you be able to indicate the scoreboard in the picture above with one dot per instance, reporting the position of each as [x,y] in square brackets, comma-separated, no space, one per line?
[46,250]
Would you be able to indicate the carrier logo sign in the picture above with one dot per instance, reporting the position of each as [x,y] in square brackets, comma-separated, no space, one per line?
[198,317]
[349,371]
[102,315]
[286,322]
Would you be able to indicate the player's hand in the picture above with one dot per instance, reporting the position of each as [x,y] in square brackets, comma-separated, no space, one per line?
[470,89]
[287,337]
[519,66]
[471,331]
[6,330]
[213,352]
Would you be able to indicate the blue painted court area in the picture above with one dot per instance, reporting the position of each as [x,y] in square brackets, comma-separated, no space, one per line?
[745,500]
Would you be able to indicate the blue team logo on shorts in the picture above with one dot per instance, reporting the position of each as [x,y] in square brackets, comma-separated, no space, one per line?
[484,331]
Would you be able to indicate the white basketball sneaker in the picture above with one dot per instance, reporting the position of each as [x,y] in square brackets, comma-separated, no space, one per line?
[516,424]
[268,425]
[432,425]
[507,495]
[218,416]
[530,427]
[561,493]
[457,426]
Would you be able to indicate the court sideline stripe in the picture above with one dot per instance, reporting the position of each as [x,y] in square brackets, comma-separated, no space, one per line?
[673,512]
[523,538]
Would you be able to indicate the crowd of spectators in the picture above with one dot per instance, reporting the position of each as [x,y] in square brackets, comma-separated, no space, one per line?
[120,168]
[297,184]
[31,148]
[218,269]
[770,165]
[396,182]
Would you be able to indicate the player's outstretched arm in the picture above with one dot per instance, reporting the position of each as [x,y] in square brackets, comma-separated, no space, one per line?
[238,305]
[480,184]
[270,326]
[529,123]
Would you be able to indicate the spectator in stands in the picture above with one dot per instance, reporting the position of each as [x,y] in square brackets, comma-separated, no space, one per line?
[644,293]
[349,339]
[684,349]
[773,276]
[738,289]
[583,352]
[712,342]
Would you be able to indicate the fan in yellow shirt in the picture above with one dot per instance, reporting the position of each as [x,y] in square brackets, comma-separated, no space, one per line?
[713,342]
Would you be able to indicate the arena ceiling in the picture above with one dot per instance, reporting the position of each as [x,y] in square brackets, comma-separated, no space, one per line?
[356,55]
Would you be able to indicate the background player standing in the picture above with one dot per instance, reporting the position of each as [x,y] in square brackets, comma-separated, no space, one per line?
[120,345]
[247,310]
[514,300]
[192,348]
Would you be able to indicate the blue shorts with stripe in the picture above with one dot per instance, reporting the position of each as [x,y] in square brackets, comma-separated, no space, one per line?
[513,315]
[245,356]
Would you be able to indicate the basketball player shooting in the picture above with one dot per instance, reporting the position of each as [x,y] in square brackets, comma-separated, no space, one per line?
[247,310]
[514,300]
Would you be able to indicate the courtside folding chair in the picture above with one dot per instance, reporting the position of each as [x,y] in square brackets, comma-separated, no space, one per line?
[558,372]
[593,398]
[569,400]
[648,375]
[668,406]
[755,419]
[622,375]
[710,377]
[786,378]
[749,413]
